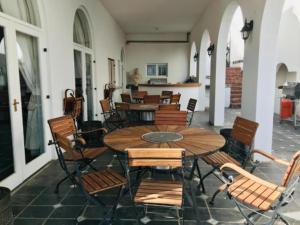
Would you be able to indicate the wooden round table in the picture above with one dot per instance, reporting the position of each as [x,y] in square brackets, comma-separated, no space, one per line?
[196,141]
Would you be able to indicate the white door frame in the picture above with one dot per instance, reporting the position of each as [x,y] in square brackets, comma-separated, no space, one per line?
[22,170]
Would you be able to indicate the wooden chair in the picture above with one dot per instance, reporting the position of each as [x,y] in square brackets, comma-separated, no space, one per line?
[169,107]
[259,195]
[175,99]
[65,127]
[191,109]
[170,118]
[151,99]
[126,98]
[139,95]
[93,183]
[167,93]
[239,151]
[111,116]
[153,192]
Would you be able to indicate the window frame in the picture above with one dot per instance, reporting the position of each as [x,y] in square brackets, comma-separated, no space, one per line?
[157,71]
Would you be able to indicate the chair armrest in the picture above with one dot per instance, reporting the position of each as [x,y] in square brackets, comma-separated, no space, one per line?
[269,156]
[95,130]
[247,175]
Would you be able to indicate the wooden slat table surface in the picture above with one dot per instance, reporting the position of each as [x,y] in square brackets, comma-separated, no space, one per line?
[143,107]
[196,141]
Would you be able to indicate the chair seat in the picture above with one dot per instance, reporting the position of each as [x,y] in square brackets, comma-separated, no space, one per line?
[159,192]
[96,182]
[219,158]
[88,153]
[256,193]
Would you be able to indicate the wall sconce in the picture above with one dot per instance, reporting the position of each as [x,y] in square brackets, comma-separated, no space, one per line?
[247,28]
[211,49]
[196,56]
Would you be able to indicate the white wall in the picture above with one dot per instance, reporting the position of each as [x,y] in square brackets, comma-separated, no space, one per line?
[175,54]
[108,40]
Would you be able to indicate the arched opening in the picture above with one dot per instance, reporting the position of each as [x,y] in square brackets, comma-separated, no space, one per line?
[83,63]
[193,60]
[204,71]
[229,53]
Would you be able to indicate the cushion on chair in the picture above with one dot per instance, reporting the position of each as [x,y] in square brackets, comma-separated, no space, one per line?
[159,192]
[219,158]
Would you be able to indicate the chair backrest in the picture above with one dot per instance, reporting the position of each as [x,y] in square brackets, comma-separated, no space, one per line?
[126,98]
[292,170]
[244,131]
[155,157]
[178,118]
[141,94]
[64,125]
[121,106]
[105,105]
[175,98]
[192,104]
[166,93]
[169,107]
[151,99]
[77,109]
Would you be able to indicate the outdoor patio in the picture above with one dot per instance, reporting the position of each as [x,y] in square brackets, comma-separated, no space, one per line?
[34,202]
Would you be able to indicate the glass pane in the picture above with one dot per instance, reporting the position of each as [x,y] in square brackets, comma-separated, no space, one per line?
[163,69]
[6,153]
[81,33]
[27,49]
[26,10]
[151,69]
[89,86]
[78,73]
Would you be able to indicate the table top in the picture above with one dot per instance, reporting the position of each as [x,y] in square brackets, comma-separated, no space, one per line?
[196,141]
[143,107]
[162,97]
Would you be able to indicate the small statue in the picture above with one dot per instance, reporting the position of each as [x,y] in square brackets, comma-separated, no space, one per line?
[136,77]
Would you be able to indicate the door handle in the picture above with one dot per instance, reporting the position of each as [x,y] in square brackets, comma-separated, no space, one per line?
[15,104]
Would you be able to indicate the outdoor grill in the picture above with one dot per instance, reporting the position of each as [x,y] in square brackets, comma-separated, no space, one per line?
[291,90]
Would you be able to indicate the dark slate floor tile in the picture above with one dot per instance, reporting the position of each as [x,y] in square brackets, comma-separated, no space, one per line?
[36,212]
[226,215]
[28,221]
[61,222]
[31,189]
[74,200]
[67,212]
[47,199]
[17,209]
[20,199]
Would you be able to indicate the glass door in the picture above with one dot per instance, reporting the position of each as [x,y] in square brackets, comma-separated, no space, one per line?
[22,124]
[89,86]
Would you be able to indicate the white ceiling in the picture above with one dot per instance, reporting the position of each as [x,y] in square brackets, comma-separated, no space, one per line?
[152,16]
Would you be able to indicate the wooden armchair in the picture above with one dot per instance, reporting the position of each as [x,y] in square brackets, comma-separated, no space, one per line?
[170,118]
[191,109]
[175,99]
[169,107]
[151,99]
[126,98]
[261,196]
[93,183]
[65,127]
[154,192]
[239,153]
[112,118]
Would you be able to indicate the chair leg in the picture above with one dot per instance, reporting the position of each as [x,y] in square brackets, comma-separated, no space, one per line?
[212,201]
[56,191]
[283,220]
[203,178]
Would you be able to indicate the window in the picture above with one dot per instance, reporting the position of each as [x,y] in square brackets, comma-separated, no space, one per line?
[157,69]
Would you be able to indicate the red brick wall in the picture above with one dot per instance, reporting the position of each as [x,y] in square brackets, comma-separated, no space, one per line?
[234,79]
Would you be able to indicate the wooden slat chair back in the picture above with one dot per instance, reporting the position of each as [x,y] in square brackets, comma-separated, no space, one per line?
[292,170]
[151,99]
[178,118]
[169,107]
[175,98]
[64,125]
[105,105]
[242,138]
[141,94]
[155,157]
[167,93]
[167,193]
[126,98]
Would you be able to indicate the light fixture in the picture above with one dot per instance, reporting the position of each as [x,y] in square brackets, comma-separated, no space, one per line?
[196,56]
[211,49]
[247,28]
